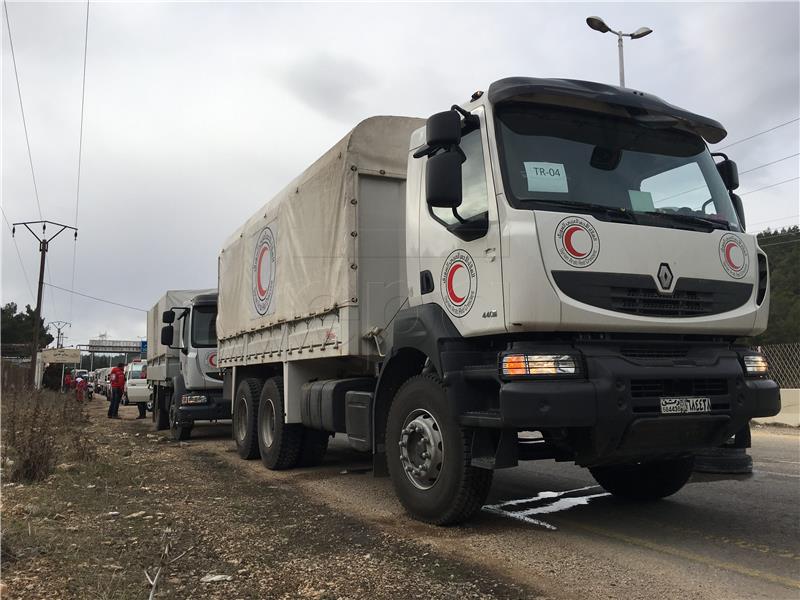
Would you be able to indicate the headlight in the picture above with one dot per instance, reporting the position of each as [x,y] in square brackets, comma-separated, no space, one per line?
[755,364]
[539,365]
[193,399]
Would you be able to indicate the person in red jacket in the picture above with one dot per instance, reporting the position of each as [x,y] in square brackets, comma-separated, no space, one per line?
[68,381]
[117,380]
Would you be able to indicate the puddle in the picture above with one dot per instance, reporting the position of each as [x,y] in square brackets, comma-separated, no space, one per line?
[543,503]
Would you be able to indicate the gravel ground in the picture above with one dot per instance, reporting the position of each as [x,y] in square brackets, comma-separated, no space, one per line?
[91,530]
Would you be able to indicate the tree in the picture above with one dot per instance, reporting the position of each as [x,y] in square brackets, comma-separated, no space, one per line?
[783,252]
[16,331]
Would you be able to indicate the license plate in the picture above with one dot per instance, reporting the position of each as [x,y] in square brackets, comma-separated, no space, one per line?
[676,406]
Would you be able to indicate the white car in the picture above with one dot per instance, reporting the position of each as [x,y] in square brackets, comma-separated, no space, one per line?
[136,388]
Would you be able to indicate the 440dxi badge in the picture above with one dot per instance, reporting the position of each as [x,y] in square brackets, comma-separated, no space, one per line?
[264,263]
[577,242]
[459,283]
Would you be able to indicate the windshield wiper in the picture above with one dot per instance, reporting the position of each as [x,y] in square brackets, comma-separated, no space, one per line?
[610,211]
[691,219]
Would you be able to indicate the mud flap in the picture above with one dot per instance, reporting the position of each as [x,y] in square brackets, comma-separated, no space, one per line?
[494,448]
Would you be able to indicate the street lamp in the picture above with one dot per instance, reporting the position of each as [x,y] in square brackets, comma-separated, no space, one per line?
[598,24]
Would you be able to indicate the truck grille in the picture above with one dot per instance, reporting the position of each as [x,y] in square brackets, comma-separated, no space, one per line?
[655,352]
[638,295]
[659,388]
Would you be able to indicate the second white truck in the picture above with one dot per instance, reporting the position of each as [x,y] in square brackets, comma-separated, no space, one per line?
[182,372]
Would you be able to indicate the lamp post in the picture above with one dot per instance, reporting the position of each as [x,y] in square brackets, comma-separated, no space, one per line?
[598,24]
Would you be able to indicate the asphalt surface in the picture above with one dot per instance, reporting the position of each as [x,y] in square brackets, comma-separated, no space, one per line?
[549,525]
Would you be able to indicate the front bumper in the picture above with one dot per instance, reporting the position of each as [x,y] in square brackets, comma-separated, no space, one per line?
[214,409]
[613,413]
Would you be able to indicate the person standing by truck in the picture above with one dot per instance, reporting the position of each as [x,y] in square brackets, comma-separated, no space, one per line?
[117,379]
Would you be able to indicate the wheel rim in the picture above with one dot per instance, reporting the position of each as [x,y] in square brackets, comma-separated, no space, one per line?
[421,449]
[266,427]
[240,422]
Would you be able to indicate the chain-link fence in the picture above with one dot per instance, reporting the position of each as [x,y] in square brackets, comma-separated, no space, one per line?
[784,363]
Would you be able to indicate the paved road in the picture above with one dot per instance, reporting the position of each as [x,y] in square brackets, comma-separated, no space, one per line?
[549,525]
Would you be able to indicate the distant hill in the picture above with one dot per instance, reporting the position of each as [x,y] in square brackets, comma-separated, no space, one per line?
[783,251]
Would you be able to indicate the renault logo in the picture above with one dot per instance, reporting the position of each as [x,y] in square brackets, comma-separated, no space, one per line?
[664,276]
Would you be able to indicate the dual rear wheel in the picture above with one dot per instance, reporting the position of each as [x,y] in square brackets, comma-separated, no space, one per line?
[260,428]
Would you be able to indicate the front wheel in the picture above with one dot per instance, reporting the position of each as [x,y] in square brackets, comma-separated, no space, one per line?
[645,481]
[429,456]
[160,411]
[180,431]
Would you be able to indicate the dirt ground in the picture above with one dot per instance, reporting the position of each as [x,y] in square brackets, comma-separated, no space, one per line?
[91,530]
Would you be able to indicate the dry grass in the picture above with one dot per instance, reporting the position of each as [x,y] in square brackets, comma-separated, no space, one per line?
[41,429]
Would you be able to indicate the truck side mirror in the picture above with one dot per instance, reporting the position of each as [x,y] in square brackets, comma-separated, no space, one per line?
[443,180]
[443,129]
[739,208]
[730,174]
[168,316]
[167,335]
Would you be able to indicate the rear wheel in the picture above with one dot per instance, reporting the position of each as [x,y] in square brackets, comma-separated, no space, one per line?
[429,456]
[279,442]
[645,481]
[245,413]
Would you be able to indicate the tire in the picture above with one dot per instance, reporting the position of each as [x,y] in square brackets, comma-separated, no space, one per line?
[450,490]
[315,445]
[125,401]
[279,442]
[645,481]
[160,412]
[179,431]
[245,417]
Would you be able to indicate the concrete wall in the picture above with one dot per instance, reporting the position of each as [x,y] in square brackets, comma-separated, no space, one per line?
[790,409]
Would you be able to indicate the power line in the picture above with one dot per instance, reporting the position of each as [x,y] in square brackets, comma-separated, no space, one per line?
[779,243]
[94,297]
[22,109]
[27,138]
[766,187]
[80,152]
[759,133]
[769,163]
[19,256]
[776,219]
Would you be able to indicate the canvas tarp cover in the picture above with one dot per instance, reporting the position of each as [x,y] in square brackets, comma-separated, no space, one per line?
[170,299]
[295,257]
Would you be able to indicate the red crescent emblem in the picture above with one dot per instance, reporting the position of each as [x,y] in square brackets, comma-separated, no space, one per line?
[728,247]
[568,241]
[261,291]
[212,359]
[456,299]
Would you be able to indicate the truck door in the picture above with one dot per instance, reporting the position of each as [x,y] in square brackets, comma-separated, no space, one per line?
[460,250]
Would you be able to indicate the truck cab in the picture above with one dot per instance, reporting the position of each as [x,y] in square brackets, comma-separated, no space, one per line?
[578,266]
[188,381]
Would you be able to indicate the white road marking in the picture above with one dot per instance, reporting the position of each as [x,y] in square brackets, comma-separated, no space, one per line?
[558,504]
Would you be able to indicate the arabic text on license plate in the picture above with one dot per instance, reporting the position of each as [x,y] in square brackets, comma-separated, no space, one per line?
[671,406]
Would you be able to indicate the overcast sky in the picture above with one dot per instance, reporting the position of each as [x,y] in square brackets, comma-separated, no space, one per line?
[196,114]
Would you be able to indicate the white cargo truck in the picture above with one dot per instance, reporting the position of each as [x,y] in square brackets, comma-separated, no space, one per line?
[553,256]
[182,372]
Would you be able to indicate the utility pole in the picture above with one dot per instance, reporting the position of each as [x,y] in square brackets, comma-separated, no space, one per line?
[44,244]
[60,325]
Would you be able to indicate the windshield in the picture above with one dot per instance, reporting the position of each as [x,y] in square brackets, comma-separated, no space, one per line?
[204,329]
[137,371]
[554,157]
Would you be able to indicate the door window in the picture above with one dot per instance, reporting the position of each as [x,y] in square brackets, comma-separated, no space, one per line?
[475,203]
